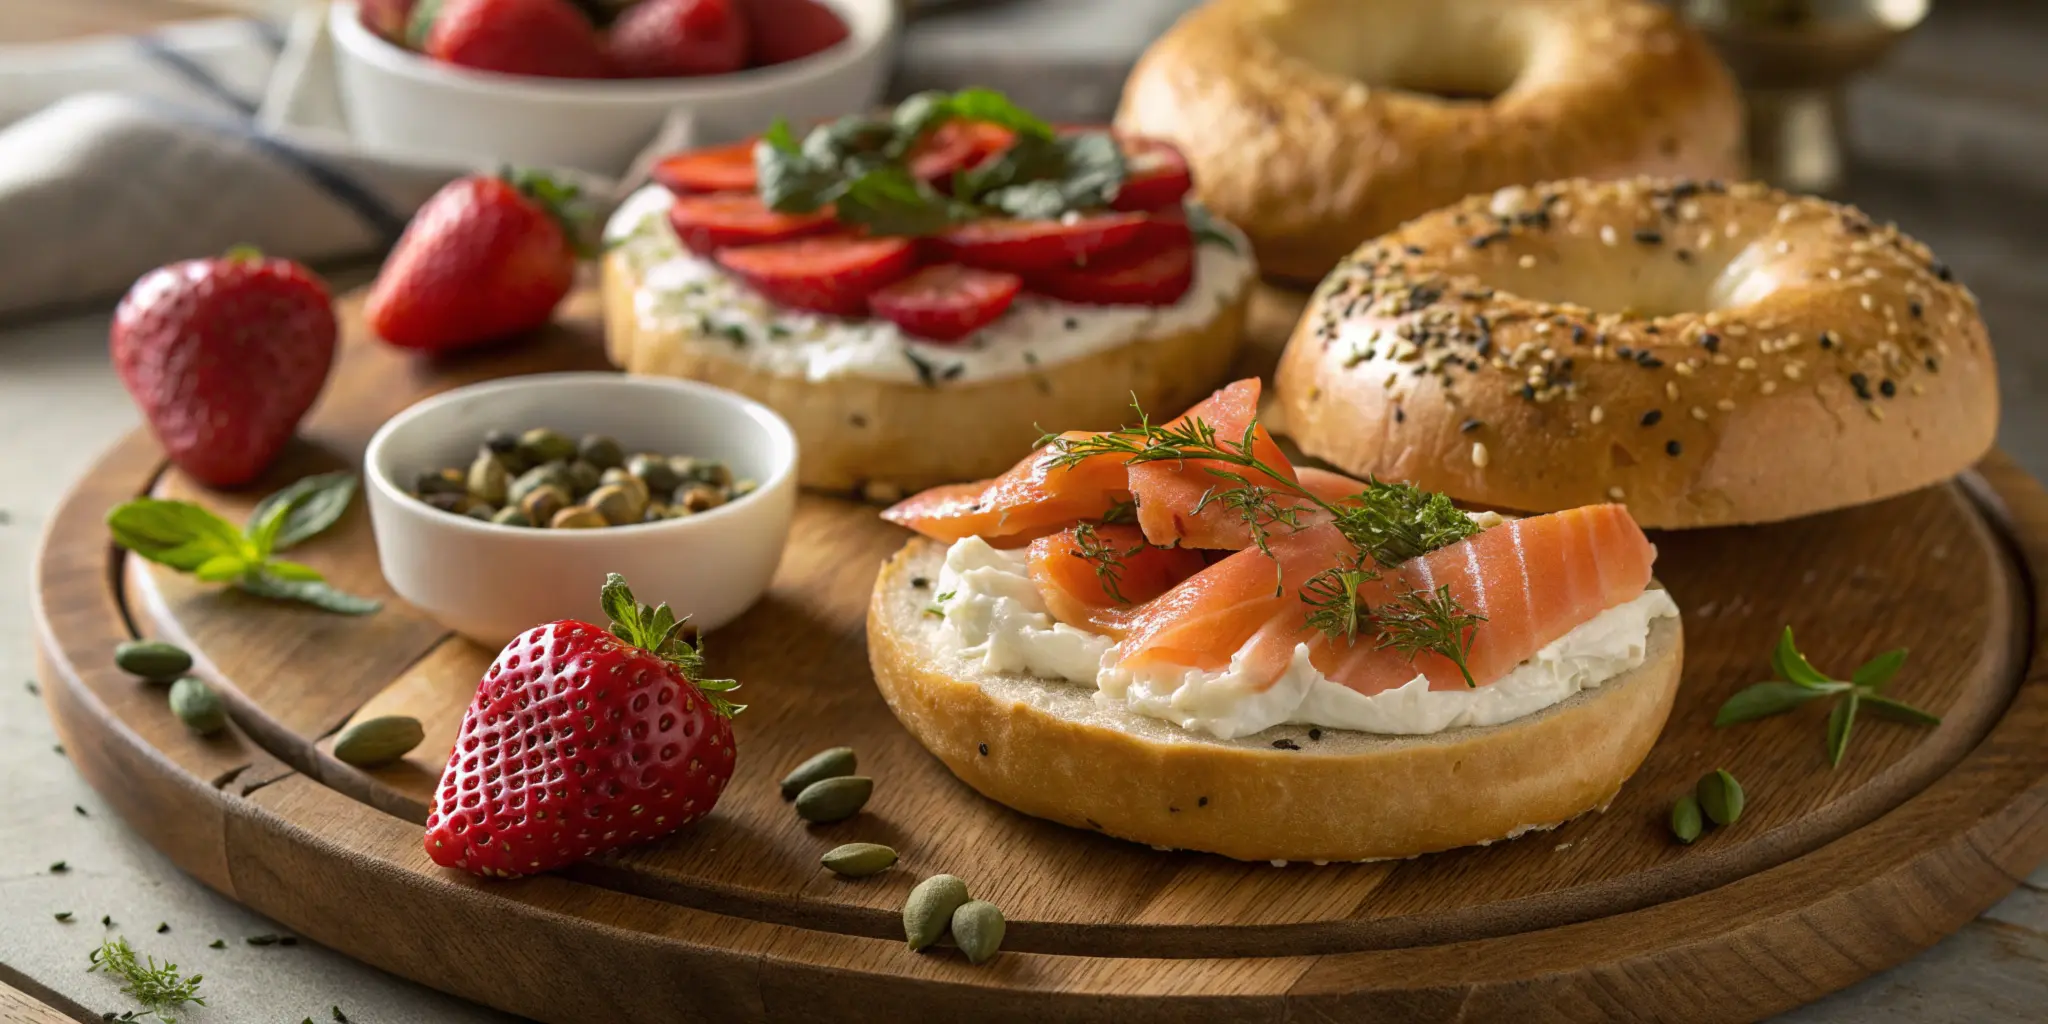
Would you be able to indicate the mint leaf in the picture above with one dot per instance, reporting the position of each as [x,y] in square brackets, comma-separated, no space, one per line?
[888,201]
[301,511]
[1044,178]
[1205,228]
[291,571]
[1878,671]
[1791,665]
[175,533]
[779,137]
[1900,710]
[927,110]
[312,592]
[1840,721]
[1764,700]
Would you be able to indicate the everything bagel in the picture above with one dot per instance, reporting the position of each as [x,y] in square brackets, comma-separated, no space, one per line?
[1710,355]
[1317,124]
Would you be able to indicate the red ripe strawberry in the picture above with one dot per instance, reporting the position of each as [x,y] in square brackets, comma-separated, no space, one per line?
[825,275]
[716,169]
[515,37]
[1143,275]
[1026,245]
[483,259]
[946,302]
[580,741]
[678,38]
[224,356]
[956,146]
[707,224]
[785,30]
[1156,175]
[386,18]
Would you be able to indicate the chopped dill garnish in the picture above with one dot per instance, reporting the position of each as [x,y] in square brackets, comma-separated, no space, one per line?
[1108,561]
[938,606]
[1425,620]
[1122,510]
[159,988]
[1332,596]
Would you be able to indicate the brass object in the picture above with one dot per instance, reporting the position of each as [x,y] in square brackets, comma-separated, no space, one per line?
[1794,58]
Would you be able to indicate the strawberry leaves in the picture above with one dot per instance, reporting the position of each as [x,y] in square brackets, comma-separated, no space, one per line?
[657,631]
[191,539]
[1799,683]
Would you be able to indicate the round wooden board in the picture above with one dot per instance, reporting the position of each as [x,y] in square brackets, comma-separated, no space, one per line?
[1830,876]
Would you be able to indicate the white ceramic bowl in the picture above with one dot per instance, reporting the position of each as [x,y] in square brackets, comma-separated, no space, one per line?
[407,105]
[490,583]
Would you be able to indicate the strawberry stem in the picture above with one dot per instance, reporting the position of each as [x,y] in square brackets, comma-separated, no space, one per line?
[563,200]
[657,631]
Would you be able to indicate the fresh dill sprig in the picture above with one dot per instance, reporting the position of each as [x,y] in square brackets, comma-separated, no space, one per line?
[1394,522]
[1256,505]
[1108,561]
[160,989]
[1426,620]
[1122,510]
[1332,596]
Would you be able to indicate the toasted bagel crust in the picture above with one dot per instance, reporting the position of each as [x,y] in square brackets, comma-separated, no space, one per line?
[1046,748]
[886,436]
[1801,357]
[1295,119]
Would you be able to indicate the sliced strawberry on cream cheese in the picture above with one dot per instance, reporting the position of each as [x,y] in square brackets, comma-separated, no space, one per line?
[716,169]
[833,274]
[946,302]
[708,223]
[1027,245]
[1156,175]
[957,146]
[1141,275]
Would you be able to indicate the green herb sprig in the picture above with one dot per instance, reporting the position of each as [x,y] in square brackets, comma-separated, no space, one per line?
[161,990]
[1089,546]
[657,630]
[1797,682]
[1388,523]
[191,539]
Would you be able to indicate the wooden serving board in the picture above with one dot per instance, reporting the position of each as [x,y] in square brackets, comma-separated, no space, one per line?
[1830,876]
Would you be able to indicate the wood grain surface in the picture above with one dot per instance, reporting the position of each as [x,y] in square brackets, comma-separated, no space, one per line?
[1830,876]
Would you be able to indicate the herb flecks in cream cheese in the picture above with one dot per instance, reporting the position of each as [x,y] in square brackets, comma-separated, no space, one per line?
[679,289]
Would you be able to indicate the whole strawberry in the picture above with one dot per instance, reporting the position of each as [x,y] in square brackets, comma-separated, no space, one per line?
[387,18]
[551,38]
[676,38]
[485,258]
[224,355]
[582,740]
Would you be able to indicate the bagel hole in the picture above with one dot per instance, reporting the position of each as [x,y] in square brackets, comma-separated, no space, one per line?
[1408,53]
[1636,279]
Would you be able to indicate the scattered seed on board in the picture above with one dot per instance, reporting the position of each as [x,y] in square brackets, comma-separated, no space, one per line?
[1720,796]
[1685,819]
[153,660]
[859,860]
[978,927]
[835,799]
[825,764]
[928,911]
[374,742]
[197,706]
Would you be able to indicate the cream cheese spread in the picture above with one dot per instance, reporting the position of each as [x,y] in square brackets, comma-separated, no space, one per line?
[995,617]
[679,289]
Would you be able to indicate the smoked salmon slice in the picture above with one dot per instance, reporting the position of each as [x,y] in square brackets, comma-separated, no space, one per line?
[1534,580]
[1034,498]
[1095,576]
[1177,499]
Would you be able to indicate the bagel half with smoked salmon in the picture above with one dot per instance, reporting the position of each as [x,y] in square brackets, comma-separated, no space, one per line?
[1169,634]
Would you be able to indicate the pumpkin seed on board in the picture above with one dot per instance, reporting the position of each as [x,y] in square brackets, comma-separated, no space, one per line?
[928,912]
[1685,819]
[1720,797]
[198,706]
[825,764]
[378,741]
[859,860]
[978,927]
[153,660]
[834,799]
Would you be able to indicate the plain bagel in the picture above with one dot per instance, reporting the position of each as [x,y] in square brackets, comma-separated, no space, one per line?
[1046,748]
[1317,124]
[1709,355]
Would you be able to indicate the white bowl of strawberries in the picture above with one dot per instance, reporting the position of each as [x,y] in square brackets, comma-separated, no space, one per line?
[540,83]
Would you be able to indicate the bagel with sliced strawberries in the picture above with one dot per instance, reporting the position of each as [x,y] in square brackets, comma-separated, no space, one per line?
[916,292]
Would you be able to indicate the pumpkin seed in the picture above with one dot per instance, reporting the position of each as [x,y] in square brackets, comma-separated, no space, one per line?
[378,741]
[929,910]
[600,451]
[653,470]
[835,799]
[618,505]
[859,860]
[198,706]
[1685,819]
[153,660]
[488,480]
[543,445]
[1720,796]
[578,517]
[540,504]
[825,764]
[511,515]
[978,930]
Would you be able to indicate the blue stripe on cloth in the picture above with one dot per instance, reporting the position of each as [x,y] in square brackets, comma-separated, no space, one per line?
[193,72]
[387,222]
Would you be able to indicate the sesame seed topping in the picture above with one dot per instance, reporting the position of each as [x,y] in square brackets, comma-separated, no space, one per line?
[1866,301]
[1526,261]
[1673,448]
[1710,341]
[1745,363]
[1469,426]
[1650,418]
[1608,235]
[1699,414]
[1671,390]
[1792,371]
[1913,307]
[1646,360]
[1886,388]
[1768,386]
[1649,237]
[1827,339]
[1399,416]
[1479,456]
[1614,493]
[1725,405]
[1862,385]
[1597,414]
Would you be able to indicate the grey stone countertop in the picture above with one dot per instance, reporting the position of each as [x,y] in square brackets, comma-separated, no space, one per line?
[1958,182]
